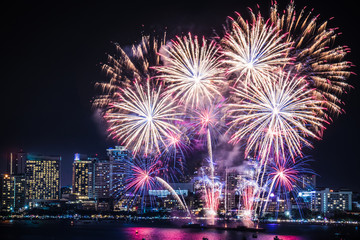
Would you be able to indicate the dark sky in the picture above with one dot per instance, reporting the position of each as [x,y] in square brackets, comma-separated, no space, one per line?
[51,54]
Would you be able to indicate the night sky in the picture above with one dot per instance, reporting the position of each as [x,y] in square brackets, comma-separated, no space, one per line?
[51,55]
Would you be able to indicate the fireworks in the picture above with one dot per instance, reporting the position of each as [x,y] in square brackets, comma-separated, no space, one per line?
[274,117]
[253,51]
[208,118]
[192,71]
[211,188]
[286,78]
[172,191]
[285,176]
[324,67]
[141,178]
[142,118]
[122,68]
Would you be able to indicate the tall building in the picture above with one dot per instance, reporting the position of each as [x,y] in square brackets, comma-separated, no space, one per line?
[83,182]
[42,178]
[6,195]
[17,162]
[110,174]
[12,192]
[231,196]
[119,167]
[328,200]
[102,179]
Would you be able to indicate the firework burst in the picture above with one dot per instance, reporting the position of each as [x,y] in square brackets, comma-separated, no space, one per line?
[211,188]
[253,51]
[285,176]
[192,70]
[177,145]
[126,66]
[209,117]
[275,117]
[142,118]
[141,177]
[314,57]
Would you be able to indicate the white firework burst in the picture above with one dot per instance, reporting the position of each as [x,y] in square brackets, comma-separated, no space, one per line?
[192,71]
[142,118]
[275,117]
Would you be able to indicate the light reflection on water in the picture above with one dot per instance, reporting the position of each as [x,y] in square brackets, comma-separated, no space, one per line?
[116,230]
[139,233]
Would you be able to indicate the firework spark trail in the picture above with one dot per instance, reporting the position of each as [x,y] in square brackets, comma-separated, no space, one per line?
[208,117]
[211,188]
[314,55]
[142,118]
[192,72]
[284,175]
[143,176]
[177,145]
[140,178]
[123,68]
[274,117]
[213,202]
[172,191]
[248,201]
[253,51]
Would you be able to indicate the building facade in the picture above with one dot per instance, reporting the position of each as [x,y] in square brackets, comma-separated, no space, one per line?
[328,200]
[12,192]
[110,174]
[42,178]
[83,181]
[102,179]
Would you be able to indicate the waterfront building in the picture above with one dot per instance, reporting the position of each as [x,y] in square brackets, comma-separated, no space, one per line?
[328,200]
[111,173]
[6,193]
[277,204]
[12,192]
[83,181]
[165,199]
[119,158]
[42,178]
[231,199]
[102,179]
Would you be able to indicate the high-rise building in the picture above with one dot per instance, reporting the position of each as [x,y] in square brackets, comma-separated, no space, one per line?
[42,178]
[328,200]
[102,179]
[6,195]
[119,167]
[17,162]
[83,182]
[231,196]
[12,192]
[110,174]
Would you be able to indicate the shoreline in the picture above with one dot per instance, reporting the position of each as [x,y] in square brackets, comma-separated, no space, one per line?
[174,220]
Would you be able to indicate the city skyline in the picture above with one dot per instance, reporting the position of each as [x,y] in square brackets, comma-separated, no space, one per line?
[49,110]
[100,184]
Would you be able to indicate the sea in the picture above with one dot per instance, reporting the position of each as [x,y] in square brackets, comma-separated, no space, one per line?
[163,230]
